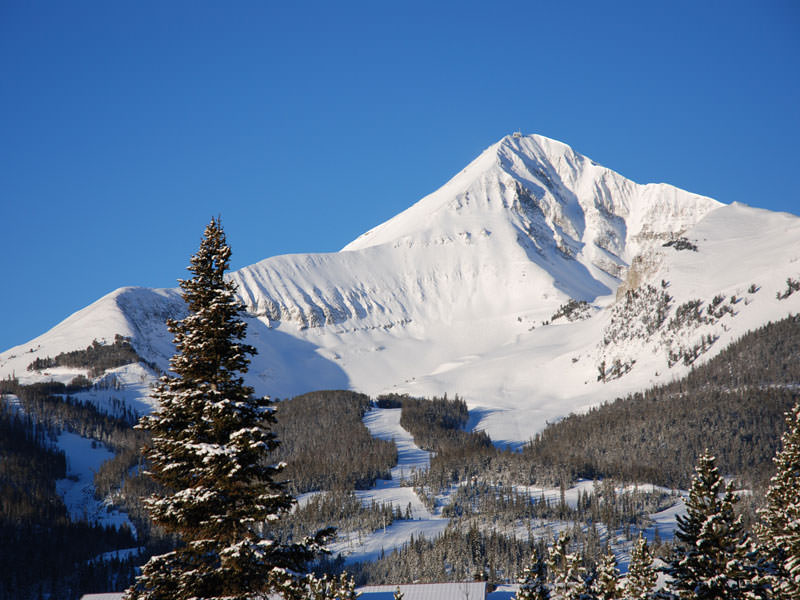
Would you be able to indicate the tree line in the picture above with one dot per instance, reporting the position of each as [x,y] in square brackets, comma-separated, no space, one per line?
[734,405]
[714,556]
[605,504]
[326,445]
[342,508]
[97,358]
[456,555]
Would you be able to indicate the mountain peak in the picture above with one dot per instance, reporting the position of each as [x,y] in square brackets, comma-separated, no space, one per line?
[551,196]
[481,178]
[533,143]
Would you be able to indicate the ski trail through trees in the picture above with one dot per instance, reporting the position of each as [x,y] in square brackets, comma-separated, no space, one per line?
[384,423]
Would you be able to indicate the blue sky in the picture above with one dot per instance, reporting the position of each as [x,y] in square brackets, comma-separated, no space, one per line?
[124,126]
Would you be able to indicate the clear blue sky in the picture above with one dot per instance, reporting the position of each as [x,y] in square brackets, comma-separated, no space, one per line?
[124,126]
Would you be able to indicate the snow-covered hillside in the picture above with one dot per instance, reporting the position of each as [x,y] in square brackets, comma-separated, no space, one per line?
[534,283]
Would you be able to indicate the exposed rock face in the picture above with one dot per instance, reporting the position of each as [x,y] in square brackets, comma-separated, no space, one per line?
[643,266]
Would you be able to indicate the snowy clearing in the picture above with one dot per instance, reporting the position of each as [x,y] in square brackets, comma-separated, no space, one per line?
[84,457]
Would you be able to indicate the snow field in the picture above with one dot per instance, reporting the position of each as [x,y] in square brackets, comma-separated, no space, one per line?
[84,457]
[384,424]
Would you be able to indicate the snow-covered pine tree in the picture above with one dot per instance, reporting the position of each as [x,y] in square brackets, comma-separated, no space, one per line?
[780,530]
[210,441]
[569,579]
[557,568]
[712,559]
[312,587]
[606,584]
[581,581]
[533,581]
[641,578]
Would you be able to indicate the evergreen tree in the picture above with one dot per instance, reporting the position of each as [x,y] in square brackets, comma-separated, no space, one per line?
[606,584]
[557,567]
[641,578]
[325,588]
[711,561]
[533,581]
[780,532]
[580,580]
[569,579]
[210,442]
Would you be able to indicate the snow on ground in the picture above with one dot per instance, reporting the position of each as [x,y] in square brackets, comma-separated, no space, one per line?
[384,423]
[503,592]
[494,351]
[452,294]
[359,548]
[666,520]
[551,495]
[571,494]
[121,554]
[128,386]
[84,457]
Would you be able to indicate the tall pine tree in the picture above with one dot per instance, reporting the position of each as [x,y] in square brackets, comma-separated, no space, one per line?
[780,532]
[211,438]
[712,560]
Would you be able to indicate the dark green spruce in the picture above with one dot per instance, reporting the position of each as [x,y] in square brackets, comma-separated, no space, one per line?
[211,438]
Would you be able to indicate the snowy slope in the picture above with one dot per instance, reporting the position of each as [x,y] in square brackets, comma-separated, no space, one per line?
[457,294]
[84,459]
[138,313]
[529,217]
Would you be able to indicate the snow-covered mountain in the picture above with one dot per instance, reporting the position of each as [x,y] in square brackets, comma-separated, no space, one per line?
[534,283]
